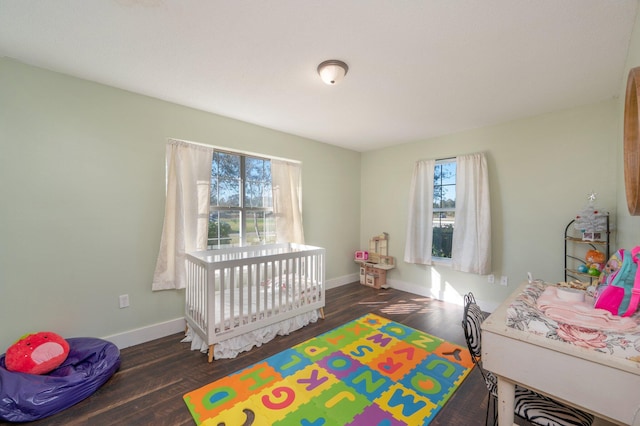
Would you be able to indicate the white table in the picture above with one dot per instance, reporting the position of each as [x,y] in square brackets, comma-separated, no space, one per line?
[605,385]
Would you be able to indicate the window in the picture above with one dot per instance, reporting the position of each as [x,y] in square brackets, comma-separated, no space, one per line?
[241,207]
[438,189]
[444,207]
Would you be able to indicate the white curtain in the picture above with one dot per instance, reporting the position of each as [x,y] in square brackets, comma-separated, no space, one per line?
[186,214]
[471,248]
[419,223]
[286,181]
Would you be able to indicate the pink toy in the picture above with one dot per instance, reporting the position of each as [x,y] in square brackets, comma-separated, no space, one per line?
[362,255]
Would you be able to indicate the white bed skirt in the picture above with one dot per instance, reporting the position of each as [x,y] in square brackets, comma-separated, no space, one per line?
[230,348]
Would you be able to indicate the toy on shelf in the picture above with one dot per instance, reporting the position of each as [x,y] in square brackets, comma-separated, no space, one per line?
[375,263]
[595,261]
[590,229]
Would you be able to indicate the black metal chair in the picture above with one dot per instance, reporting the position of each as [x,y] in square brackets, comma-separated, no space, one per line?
[529,405]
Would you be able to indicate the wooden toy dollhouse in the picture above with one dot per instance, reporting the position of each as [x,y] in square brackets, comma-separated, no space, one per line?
[373,270]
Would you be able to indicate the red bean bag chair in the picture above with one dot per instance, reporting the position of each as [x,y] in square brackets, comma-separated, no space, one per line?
[27,397]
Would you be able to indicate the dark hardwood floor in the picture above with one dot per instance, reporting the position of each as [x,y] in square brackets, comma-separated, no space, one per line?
[148,387]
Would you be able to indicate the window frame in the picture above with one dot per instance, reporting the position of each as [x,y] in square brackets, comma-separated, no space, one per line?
[243,211]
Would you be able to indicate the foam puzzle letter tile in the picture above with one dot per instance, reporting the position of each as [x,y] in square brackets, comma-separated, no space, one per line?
[314,349]
[455,353]
[398,360]
[424,341]
[306,415]
[369,383]
[312,381]
[375,416]
[339,364]
[399,331]
[209,400]
[241,414]
[342,336]
[407,406]
[287,362]
[362,350]
[275,403]
[373,320]
[256,377]
[381,340]
[435,378]
[340,403]
[358,329]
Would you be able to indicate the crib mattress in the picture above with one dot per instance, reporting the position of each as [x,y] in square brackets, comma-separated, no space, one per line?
[523,314]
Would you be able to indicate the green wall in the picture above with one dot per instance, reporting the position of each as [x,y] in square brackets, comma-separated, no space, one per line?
[82,200]
[628,226]
[541,170]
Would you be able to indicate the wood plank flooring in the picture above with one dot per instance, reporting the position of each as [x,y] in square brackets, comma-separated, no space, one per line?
[148,387]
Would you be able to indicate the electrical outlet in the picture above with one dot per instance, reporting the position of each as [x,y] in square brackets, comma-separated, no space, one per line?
[504,280]
[124,301]
[491,278]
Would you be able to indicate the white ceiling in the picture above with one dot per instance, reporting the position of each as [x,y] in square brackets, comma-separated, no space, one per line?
[417,68]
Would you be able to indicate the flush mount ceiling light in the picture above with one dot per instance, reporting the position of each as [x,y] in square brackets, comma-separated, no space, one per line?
[332,71]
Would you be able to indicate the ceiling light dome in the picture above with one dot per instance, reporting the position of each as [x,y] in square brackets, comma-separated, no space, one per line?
[332,71]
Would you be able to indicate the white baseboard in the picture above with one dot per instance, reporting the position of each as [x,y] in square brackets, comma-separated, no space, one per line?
[156,331]
[146,334]
[429,292]
[412,288]
[343,280]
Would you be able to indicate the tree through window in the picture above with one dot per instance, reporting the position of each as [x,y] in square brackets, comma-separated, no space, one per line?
[241,208]
[444,207]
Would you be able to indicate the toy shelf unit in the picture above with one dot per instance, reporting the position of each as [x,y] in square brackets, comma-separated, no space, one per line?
[375,263]
[577,243]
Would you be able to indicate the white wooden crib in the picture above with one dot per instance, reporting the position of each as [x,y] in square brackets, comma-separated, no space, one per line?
[235,291]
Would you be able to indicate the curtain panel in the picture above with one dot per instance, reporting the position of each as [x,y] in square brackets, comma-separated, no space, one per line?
[419,223]
[471,245]
[186,213]
[286,181]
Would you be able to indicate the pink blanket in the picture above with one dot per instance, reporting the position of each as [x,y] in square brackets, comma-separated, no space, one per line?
[581,314]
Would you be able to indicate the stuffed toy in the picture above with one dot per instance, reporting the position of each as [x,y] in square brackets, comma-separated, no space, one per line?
[595,256]
[595,262]
[37,353]
[612,266]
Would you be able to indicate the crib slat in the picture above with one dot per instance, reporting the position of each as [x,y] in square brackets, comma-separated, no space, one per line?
[221,300]
[265,277]
[241,295]
[275,282]
[231,291]
[251,292]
